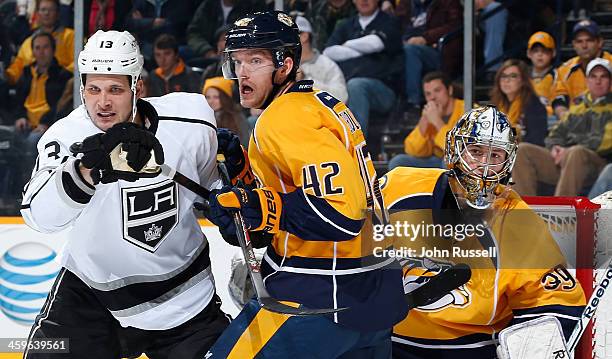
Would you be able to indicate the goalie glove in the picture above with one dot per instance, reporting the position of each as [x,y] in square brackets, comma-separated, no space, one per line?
[236,158]
[121,153]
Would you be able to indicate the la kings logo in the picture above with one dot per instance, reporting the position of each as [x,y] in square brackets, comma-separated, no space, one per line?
[149,213]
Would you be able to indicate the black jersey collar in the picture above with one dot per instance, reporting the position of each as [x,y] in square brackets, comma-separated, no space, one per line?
[301,86]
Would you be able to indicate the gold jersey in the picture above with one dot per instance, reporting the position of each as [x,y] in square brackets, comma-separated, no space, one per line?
[308,146]
[518,271]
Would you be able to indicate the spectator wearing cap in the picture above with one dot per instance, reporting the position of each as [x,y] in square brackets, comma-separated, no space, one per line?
[579,145]
[48,21]
[171,75]
[368,49]
[541,51]
[315,66]
[218,92]
[210,16]
[588,43]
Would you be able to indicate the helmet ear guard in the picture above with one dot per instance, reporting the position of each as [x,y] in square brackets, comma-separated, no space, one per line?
[489,130]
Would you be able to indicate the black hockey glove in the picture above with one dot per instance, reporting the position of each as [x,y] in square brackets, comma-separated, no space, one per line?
[236,159]
[136,141]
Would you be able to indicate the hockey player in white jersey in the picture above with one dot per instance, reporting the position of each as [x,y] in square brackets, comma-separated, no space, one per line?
[136,274]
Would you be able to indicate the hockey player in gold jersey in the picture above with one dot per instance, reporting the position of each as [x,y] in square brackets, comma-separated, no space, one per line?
[518,272]
[316,182]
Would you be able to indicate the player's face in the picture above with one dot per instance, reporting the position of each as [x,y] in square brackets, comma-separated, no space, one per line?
[587,46]
[510,81]
[254,71]
[598,82]
[108,99]
[213,98]
[478,156]
[42,50]
[436,91]
[165,58]
[540,56]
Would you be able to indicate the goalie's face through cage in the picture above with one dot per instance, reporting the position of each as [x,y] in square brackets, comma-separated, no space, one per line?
[480,150]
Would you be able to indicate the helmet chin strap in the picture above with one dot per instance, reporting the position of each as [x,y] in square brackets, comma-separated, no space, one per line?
[276,88]
[134,81]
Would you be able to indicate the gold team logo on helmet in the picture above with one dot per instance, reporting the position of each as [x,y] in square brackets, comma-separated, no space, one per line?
[285,19]
[244,21]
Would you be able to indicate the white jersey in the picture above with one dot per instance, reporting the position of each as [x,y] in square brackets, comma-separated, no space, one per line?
[138,244]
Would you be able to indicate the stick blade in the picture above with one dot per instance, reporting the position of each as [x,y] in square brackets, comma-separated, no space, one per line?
[275,306]
[439,285]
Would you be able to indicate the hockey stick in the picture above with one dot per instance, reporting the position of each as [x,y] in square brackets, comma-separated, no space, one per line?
[263,297]
[439,285]
[589,310]
[153,167]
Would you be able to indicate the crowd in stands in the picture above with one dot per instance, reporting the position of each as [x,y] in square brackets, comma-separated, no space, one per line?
[391,61]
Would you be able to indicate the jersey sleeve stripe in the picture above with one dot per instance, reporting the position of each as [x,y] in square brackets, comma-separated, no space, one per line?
[27,204]
[188,120]
[312,218]
[568,315]
[74,184]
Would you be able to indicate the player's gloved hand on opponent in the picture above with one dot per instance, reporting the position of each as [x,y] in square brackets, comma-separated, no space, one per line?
[223,218]
[236,159]
[135,141]
[261,210]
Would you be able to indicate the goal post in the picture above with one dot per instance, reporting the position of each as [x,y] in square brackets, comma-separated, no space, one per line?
[583,231]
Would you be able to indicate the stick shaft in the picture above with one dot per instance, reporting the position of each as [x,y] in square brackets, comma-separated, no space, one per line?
[589,310]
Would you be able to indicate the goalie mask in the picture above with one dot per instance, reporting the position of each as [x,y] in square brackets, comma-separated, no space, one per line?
[112,53]
[480,151]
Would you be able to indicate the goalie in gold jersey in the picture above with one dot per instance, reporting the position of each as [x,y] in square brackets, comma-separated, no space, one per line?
[315,182]
[518,272]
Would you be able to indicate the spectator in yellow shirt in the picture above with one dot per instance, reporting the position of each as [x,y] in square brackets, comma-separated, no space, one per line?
[424,146]
[38,92]
[48,21]
[571,81]
[541,51]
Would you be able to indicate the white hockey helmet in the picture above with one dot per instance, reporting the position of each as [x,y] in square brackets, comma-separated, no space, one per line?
[489,128]
[112,53]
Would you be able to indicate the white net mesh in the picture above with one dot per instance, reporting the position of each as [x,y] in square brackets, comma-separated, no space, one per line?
[563,224]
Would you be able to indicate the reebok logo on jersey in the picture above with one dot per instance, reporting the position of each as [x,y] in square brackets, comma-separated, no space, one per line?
[149,213]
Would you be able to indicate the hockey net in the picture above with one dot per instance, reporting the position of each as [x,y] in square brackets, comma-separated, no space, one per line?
[583,230]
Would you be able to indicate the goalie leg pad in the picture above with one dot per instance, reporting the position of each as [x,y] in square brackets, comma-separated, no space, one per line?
[540,338]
